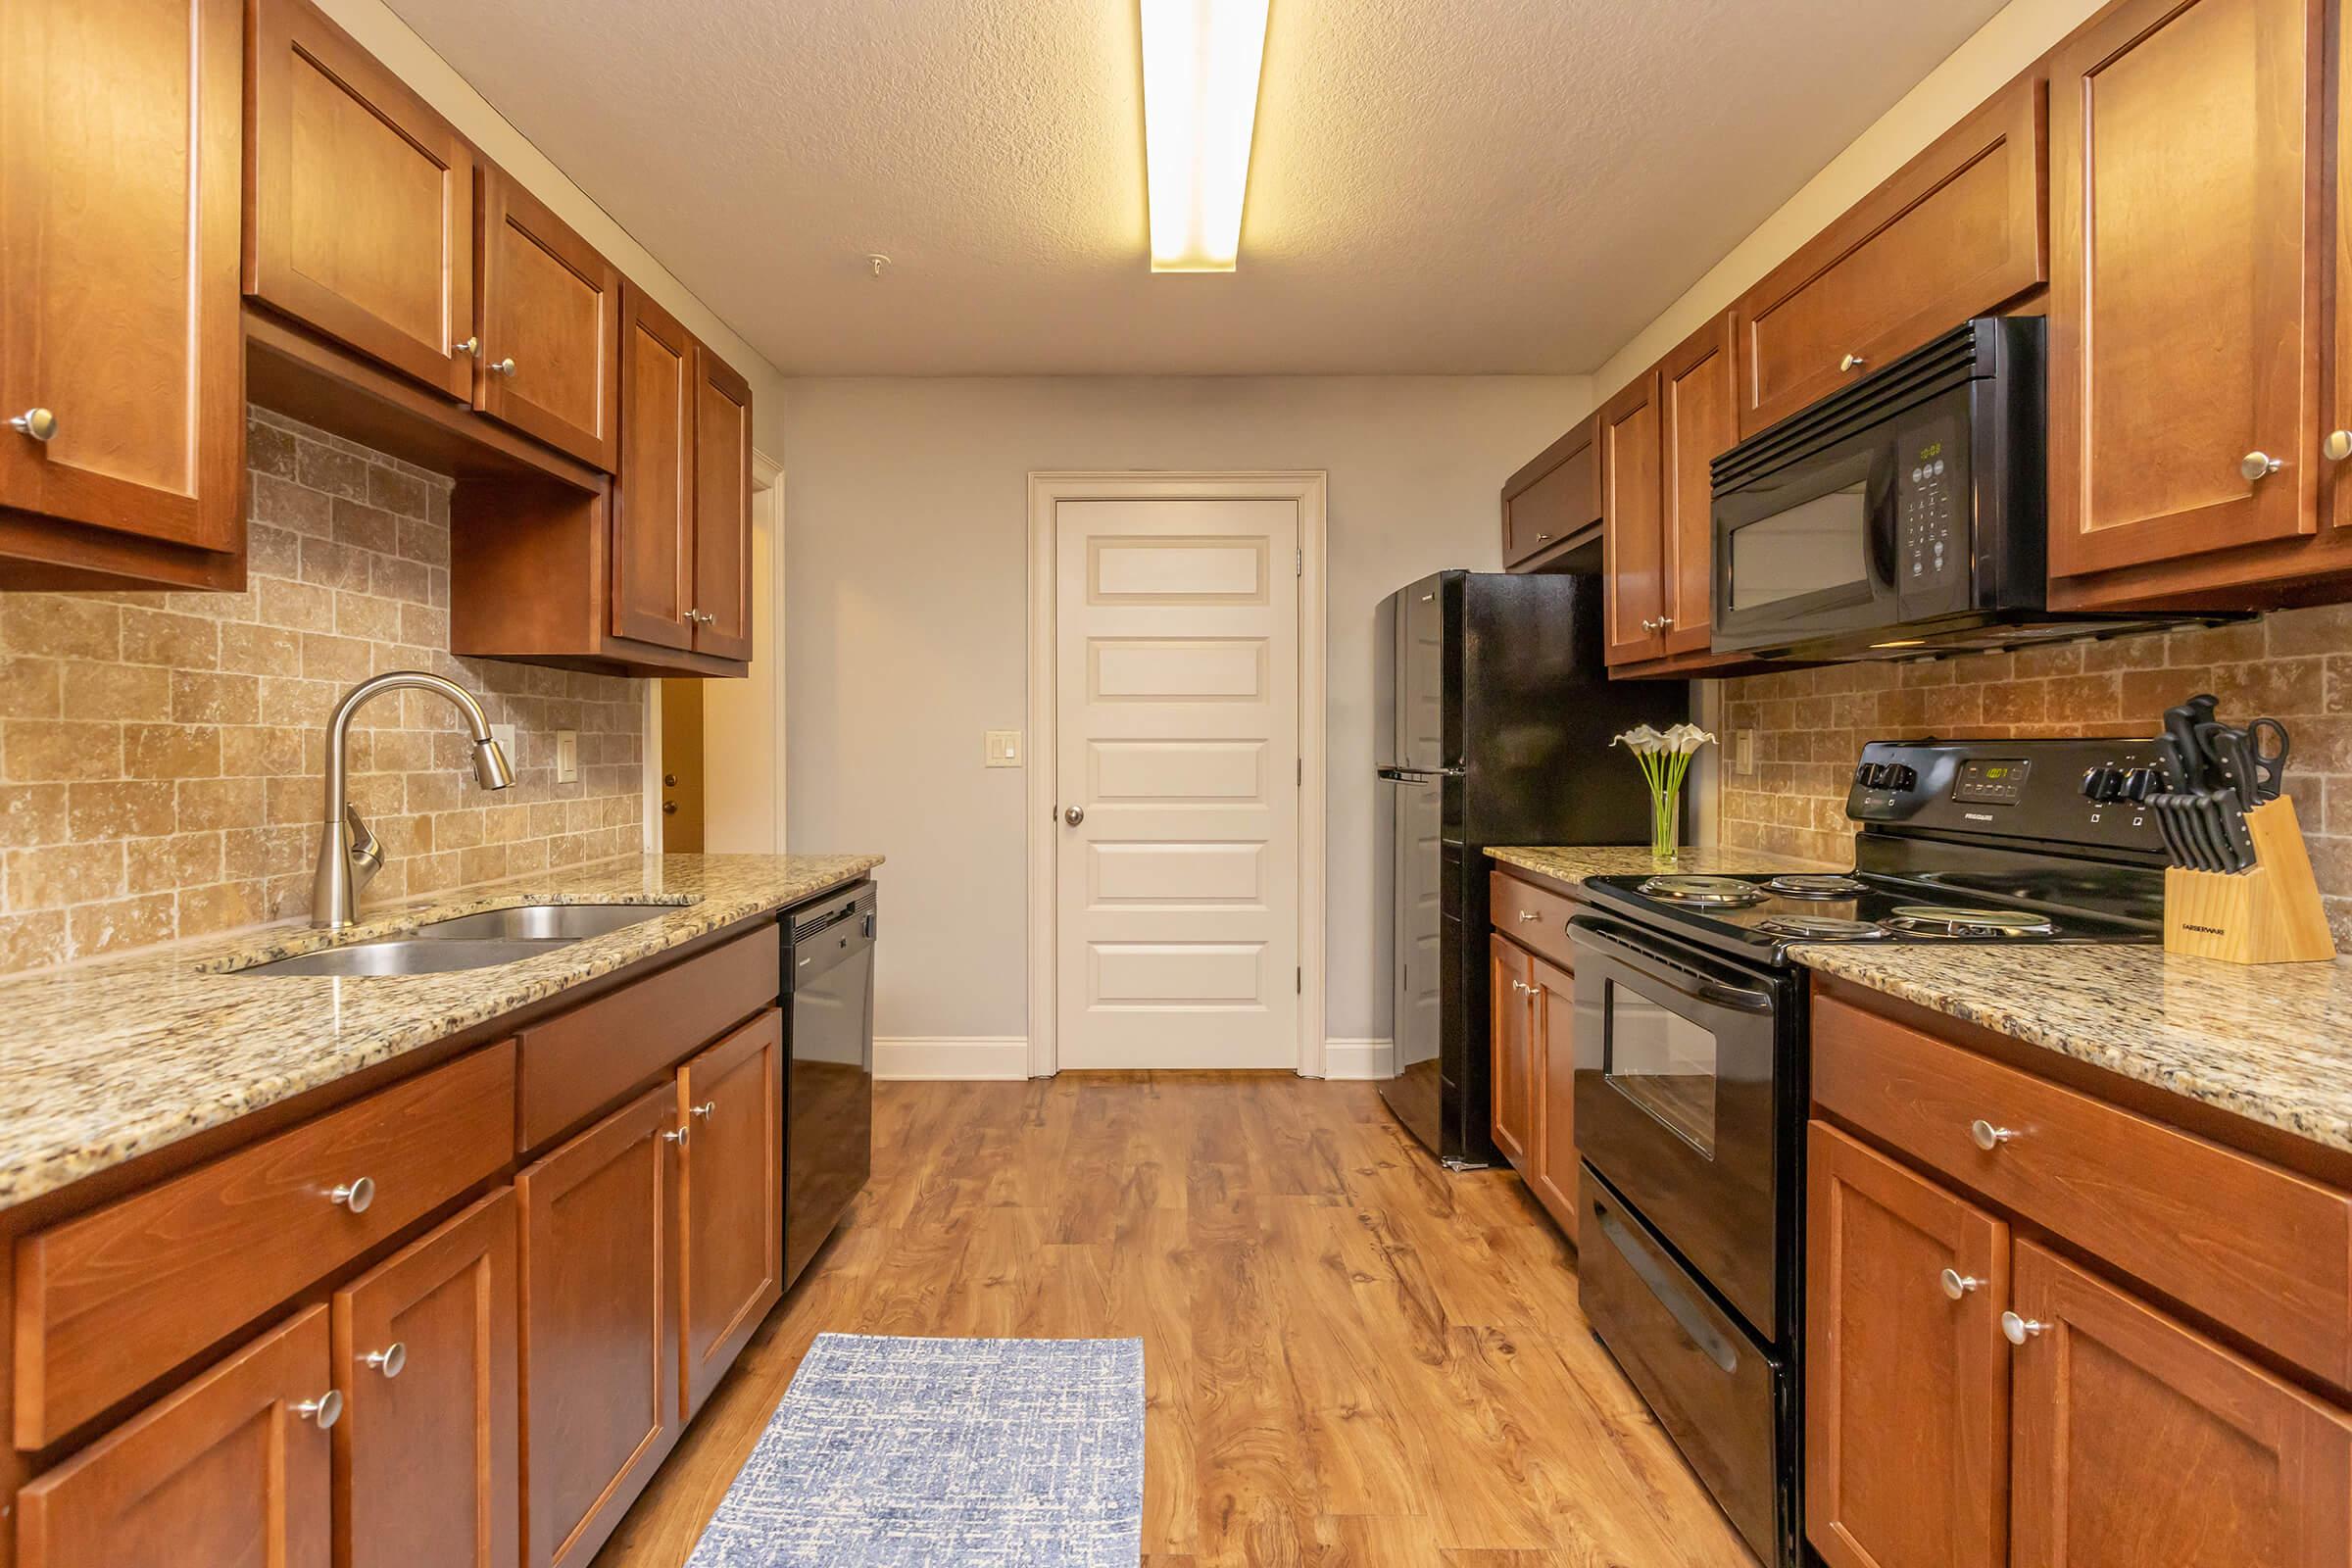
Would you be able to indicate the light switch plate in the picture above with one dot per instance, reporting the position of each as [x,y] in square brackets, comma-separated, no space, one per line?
[1003,748]
[1743,751]
[567,755]
[504,734]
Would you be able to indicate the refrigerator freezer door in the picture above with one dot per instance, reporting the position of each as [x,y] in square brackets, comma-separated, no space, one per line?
[1420,676]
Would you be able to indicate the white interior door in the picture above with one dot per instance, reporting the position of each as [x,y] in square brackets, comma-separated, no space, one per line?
[1176,639]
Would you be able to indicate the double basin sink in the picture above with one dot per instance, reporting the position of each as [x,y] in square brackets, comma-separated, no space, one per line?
[468,941]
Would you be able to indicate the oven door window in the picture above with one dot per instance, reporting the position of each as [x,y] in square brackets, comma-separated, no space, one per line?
[1662,1062]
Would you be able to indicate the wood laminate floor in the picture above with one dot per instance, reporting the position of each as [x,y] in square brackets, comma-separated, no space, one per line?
[1352,1359]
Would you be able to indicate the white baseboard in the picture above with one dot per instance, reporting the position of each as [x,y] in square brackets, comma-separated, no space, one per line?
[1357,1058]
[942,1058]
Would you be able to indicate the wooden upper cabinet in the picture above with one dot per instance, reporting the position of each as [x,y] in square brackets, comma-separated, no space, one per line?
[1633,542]
[600,1357]
[653,503]
[1956,231]
[118,134]
[227,1470]
[2186,176]
[1513,1027]
[360,219]
[1906,1373]
[1553,497]
[549,334]
[1697,422]
[730,1199]
[722,509]
[2139,1442]
[426,1455]
[1553,1171]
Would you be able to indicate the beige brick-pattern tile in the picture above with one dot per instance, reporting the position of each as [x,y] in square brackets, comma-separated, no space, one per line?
[160,754]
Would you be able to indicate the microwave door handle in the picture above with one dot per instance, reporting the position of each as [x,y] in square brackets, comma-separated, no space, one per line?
[1886,564]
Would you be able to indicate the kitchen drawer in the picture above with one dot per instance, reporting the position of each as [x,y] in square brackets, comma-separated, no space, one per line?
[1956,231]
[1534,917]
[119,1297]
[579,1062]
[2257,1248]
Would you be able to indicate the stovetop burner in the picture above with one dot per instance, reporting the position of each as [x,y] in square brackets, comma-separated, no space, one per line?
[1942,920]
[1800,927]
[1815,885]
[1715,892]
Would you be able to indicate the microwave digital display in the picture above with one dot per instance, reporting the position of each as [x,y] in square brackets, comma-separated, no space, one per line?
[1812,547]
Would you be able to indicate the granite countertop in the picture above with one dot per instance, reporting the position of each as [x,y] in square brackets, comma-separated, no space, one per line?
[1573,863]
[2271,1043]
[110,1059]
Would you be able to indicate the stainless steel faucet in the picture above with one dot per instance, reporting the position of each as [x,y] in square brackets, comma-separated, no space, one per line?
[348,855]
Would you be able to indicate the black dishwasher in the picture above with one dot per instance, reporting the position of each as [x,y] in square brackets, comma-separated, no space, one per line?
[829,1094]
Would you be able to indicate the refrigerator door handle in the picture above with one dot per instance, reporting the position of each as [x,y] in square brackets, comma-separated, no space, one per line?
[1415,776]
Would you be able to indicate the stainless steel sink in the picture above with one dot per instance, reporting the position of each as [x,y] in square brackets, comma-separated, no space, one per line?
[409,955]
[541,922]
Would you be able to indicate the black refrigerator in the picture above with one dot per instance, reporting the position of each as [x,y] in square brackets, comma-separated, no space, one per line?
[1503,715]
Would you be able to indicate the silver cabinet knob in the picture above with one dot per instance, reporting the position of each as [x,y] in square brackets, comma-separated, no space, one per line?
[1956,1283]
[1852,362]
[472,345]
[354,1196]
[389,1360]
[505,367]
[1520,985]
[1985,1135]
[706,1109]
[2257,464]
[2336,445]
[677,1135]
[326,1409]
[1530,915]
[1074,815]
[1539,538]
[39,424]
[1665,622]
[2018,1329]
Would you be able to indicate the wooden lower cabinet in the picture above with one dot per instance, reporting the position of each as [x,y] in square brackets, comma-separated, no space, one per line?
[230,1471]
[1551,1173]
[2139,1442]
[1906,1373]
[600,1363]
[426,1453]
[730,1230]
[1513,1029]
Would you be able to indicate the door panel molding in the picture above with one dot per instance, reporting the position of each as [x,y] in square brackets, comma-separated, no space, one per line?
[1047,491]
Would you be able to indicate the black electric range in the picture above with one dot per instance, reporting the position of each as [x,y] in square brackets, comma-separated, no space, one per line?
[1691,1054]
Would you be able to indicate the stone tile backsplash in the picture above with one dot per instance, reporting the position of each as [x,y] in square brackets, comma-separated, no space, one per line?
[160,754]
[2296,665]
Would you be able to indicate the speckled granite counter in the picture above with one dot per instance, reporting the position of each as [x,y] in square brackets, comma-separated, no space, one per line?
[1572,863]
[106,1061]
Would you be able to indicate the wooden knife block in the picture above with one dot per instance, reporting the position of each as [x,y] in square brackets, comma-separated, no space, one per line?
[2270,915]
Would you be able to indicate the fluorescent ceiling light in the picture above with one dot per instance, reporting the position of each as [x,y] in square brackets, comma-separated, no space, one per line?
[1200,67]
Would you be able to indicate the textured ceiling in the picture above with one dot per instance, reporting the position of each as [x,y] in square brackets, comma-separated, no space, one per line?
[1438,185]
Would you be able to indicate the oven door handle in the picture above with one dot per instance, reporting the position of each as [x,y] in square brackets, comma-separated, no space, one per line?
[1686,976]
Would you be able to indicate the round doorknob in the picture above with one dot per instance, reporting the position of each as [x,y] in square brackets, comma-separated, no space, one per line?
[354,1196]
[1852,362]
[2336,445]
[2257,465]
[1074,815]
[1956,1283]
[671,779]
[389,1360]
[669,808]
[2018,1329]
[39,424]
[326,1409]
[505,367]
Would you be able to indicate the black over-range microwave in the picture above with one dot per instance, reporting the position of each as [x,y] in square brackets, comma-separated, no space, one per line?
[1901,516]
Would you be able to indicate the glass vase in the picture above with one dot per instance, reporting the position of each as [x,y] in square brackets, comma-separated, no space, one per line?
[1665,823]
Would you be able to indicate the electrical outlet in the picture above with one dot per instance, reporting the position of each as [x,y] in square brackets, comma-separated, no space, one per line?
[567,755]
[1743,751]
[1003,748]
[504,734]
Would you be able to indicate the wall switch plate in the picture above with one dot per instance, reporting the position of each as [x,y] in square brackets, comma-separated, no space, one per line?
[1743,751]
[1003,748]
[567,755]
[504,734]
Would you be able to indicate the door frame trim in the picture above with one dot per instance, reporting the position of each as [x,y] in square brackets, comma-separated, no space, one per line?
[1047,488]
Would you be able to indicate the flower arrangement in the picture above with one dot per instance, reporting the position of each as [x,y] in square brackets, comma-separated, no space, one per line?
[1665,757]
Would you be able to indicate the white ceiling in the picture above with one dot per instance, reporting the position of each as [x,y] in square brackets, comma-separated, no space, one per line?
[1438,185]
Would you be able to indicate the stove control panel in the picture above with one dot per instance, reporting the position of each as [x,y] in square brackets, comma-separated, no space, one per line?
[2086,791]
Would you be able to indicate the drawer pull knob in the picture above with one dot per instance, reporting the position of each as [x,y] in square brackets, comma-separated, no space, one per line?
[1531,915]
[677,1135]
[1985,1135]
[706,1109]
[2336,445]
[391,1360]
[2258,465]
[355,1196]
[1851,362]
[326,1409]
[39,424]
[471,346]
[2018,1329]
[1956,1283]
[505,367]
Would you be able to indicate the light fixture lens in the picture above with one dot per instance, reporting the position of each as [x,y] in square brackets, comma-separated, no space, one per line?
[1202,59]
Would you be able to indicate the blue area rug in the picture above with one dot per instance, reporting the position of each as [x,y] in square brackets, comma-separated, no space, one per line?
[924,1453]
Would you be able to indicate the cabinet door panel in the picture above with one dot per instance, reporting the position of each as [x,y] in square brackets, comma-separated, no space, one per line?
[1697,422]
[119,133]
[723,508]
[600,1359]
[551,307]
[361,221]
[2139,1442]
[1906,1388]
[1513,1026]
[426,1455]
[1552,1173]
[2183,315]
[223,1472]
[653,504]
[1552,497]
[1632,527]
[730,1197]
